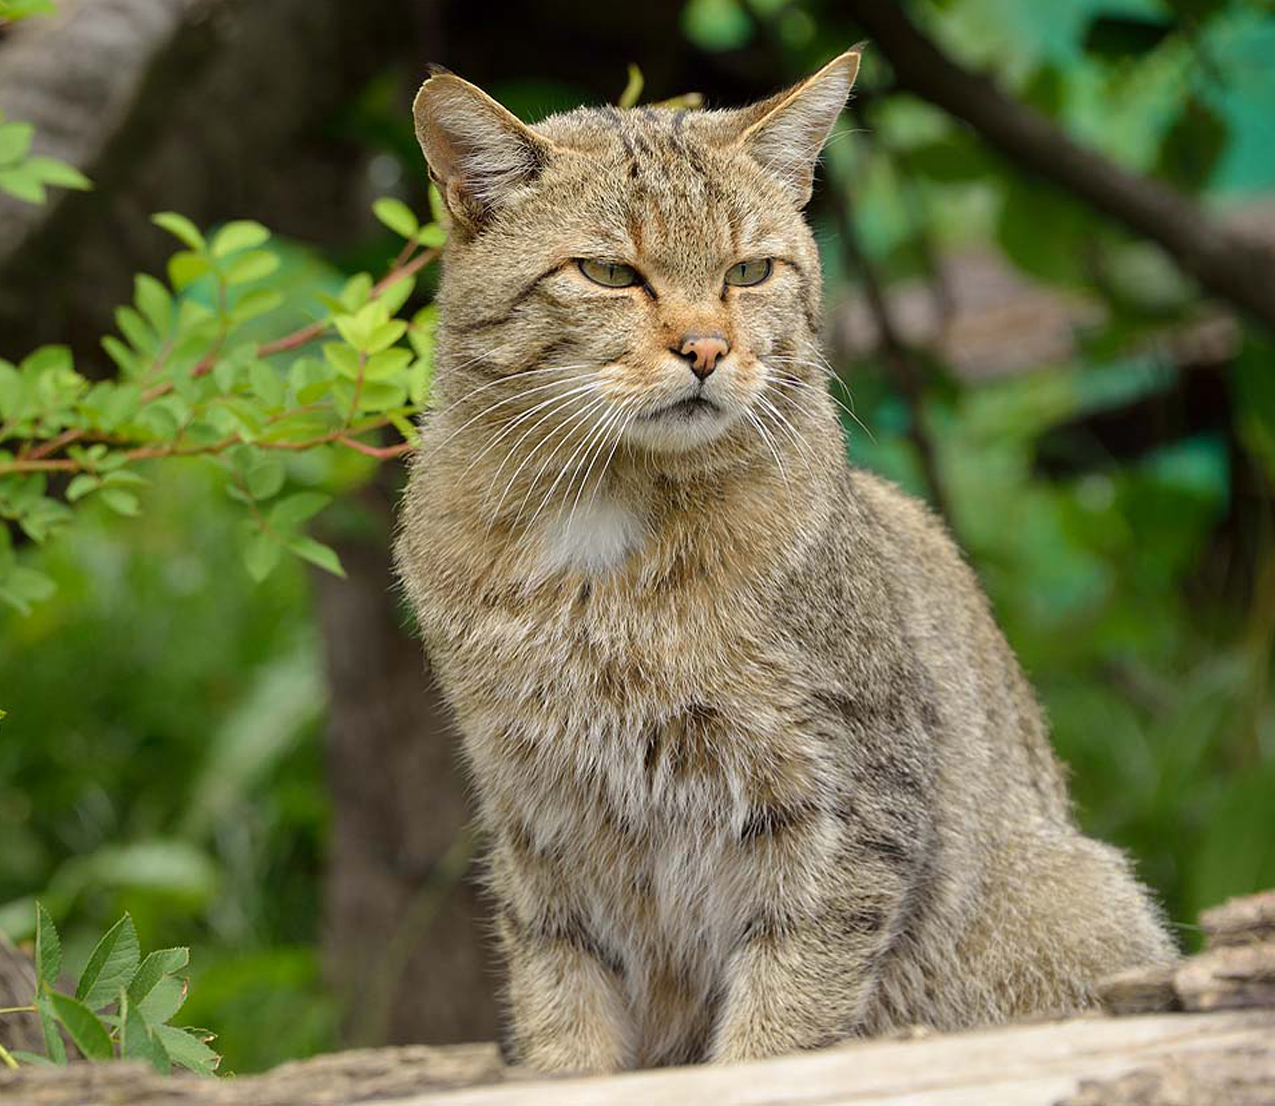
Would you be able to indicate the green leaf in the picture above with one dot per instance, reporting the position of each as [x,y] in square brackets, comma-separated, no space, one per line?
[317,554]
[356,291]
[158,964]
[83,1025]
[121,502]
[343,358]
[15,141]
[387,363]
[23,587]
[121,477]
[13,10]
[431,235]
[49,1027]
[187,1050]
[112,963]
[265,478]
[252,266]
[437,209]
[397,292]
[140,1041]
[154,301]
[268,385]
[132,326]
[163,1000]
[26,1057]
[385,335]
[23,184]
[396,215]
[181,227]
[254,303]
[241,234]
[48,948]
[185,267]
[261,555]
[49,170]
[81,485]
[296,509]
[124,358]
[351,328]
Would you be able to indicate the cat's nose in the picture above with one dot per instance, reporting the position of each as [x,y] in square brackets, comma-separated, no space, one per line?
[704,351]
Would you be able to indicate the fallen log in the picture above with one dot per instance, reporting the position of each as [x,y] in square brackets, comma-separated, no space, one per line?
[1219,1051]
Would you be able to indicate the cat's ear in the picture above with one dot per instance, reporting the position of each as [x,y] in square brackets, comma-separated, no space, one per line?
[478,152]
[786,132]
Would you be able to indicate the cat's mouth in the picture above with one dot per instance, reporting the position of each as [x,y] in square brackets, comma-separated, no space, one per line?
[690,408]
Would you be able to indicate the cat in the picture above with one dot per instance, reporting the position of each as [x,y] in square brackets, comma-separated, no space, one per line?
[756,770]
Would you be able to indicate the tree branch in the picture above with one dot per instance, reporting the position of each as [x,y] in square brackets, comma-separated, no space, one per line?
[1224,262]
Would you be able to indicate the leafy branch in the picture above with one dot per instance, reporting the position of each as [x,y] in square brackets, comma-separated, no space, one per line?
[193,381]
[122,1005]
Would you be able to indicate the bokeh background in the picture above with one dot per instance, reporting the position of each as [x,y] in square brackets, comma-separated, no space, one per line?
[263,772]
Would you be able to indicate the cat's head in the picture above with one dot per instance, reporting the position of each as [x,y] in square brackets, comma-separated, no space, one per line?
[640,277]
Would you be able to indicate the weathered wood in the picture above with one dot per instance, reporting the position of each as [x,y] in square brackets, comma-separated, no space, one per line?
[1240,921]
[1140,991]
[1231,977]
[1233,1077]
[1029,1065]
[339,1079]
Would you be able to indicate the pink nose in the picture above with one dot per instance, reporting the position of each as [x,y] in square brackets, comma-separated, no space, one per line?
[704,351]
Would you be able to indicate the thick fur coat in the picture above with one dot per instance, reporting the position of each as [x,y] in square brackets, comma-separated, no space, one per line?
[755,767]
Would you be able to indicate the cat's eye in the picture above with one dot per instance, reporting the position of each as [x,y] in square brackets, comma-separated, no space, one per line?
[747,273]
[610,274]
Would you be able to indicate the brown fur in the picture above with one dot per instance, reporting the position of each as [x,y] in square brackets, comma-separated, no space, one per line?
[756,768]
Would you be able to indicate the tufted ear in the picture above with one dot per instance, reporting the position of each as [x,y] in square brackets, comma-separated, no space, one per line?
[478,152]
[786,132]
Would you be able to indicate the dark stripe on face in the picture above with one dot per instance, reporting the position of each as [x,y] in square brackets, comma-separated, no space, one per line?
[511,305]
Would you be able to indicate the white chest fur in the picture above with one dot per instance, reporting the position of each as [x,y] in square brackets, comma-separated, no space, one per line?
[593,537]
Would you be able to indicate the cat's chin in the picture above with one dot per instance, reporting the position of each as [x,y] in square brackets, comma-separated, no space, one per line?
[679,428]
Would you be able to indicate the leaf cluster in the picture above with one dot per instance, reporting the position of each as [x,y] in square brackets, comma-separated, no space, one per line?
[193,378]
[122,1005]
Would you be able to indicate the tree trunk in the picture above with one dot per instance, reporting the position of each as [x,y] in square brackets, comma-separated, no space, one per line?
[402,939]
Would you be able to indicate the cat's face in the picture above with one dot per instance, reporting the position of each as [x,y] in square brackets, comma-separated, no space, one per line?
[639,278]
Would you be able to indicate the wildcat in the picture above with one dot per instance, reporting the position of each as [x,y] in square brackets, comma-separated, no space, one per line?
[756,769]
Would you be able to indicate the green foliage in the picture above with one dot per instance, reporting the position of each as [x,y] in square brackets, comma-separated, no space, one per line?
[122,1004]
[194,381]
[22,173]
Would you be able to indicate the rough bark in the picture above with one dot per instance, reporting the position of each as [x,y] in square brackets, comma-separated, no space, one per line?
[1226,262]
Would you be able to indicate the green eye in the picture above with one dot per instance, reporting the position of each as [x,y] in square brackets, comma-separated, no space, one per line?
[749,272]
[611,274]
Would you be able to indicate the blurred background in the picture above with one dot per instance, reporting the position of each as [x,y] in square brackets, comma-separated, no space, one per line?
[1050,295]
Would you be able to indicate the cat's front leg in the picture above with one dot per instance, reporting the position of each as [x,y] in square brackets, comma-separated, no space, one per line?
[833,899]
[567,1011]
